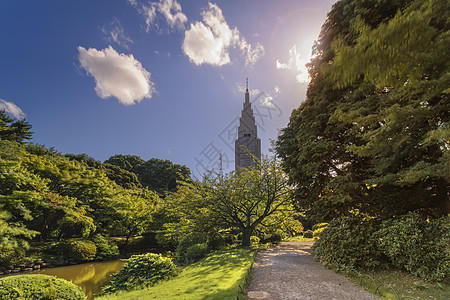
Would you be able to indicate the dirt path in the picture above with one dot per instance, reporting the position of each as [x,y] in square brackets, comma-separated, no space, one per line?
[289,271]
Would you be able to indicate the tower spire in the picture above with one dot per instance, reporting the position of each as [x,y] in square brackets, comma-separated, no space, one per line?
[247,95]
[247,137]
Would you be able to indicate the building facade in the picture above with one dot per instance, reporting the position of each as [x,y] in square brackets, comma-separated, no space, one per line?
[247,139]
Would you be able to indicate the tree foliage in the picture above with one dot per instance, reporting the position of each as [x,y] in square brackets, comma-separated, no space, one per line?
[371,142]
[373,134]
[44,195]
[247,200]
[158,175]
[14,130]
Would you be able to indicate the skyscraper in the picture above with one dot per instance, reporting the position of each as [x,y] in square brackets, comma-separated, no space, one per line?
[247,136]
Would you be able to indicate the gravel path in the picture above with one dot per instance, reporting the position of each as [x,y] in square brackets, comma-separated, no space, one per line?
[288,271]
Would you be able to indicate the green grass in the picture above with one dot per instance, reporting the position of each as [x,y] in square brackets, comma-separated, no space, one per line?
[403,283]
[215,277]
[299,238]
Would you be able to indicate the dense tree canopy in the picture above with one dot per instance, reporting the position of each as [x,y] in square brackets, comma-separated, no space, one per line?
[156,174]
[46,196]
[373,134]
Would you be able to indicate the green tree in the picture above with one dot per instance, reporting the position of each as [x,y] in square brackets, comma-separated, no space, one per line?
[134,210]
[161,175]
[243,200]
[158,175]
[124,178]
[14,130]
[126,162]
[372,135]
[84,158]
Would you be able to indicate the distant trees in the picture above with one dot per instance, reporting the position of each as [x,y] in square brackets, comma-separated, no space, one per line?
[156,174]
[48,196]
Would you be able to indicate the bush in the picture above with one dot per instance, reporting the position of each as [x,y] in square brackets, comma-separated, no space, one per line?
[318,228]
[73,250]
[142,271]
[196,252]
[254,240]
[275,237]
[308,234]
[80,250]
[9,256]
[168,240]
[217,240]
[349,241]
[320,225]
[105,248]
[418,244]
[191,239]
[32,287]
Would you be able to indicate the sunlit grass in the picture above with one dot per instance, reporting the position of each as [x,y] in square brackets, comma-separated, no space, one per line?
[215,277]
[403,283]
[299,238]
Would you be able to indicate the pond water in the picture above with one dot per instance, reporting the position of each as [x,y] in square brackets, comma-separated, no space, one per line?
[91,277]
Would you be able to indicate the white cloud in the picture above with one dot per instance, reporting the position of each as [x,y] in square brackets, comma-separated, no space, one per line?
[117,75]
[267,101]
[114,33]
[209,41]
[169,9]
[297,64]
[276,90]
[12,109]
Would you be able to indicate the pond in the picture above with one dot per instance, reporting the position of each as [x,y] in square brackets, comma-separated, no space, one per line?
[91,277]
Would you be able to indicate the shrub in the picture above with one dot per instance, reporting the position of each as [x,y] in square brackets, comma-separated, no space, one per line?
[73,250]
[308,234]
[142,271]
[196,252]
[32,287]
[217,240]
[105,248]
[318,228]
[168,240]
[190,240]
[418,244]
[275,237]
[10,256]
[80,250]
[349,241]
[254,240]
[320,225]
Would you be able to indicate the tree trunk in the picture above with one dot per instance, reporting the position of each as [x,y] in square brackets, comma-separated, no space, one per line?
[246,234]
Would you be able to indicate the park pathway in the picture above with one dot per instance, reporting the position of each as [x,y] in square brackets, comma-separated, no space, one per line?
[288,271]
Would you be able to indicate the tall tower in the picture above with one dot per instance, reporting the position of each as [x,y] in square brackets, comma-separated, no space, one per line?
[247,136]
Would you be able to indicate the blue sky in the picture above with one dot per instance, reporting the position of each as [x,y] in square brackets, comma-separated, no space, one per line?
[159,79]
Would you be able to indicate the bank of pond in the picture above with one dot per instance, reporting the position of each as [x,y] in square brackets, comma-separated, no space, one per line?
[217,276]
[91,277]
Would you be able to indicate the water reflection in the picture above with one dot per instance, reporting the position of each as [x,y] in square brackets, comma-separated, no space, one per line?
[91,277]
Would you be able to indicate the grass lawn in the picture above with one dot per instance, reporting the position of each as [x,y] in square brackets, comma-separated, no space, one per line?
[215,277]
[403,283]
[299,238]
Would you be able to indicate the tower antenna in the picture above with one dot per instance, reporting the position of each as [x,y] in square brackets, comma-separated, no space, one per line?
[246,84]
